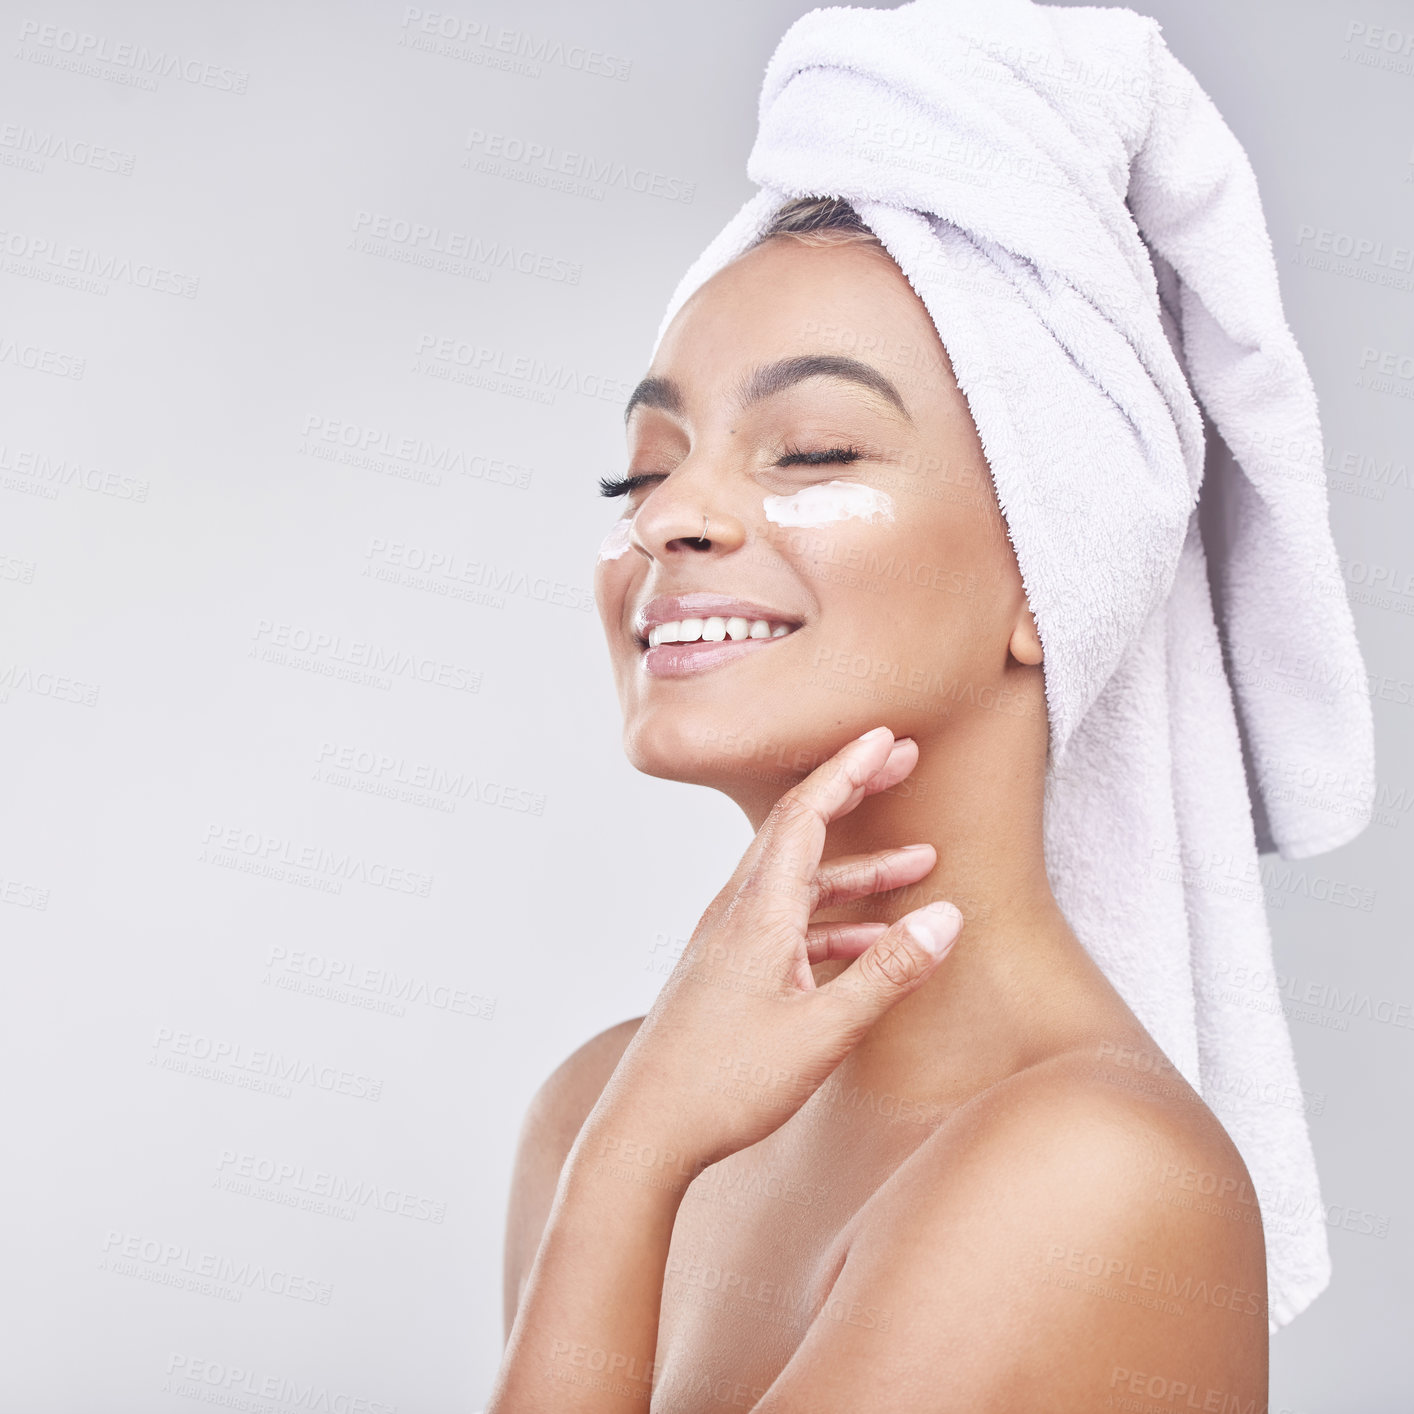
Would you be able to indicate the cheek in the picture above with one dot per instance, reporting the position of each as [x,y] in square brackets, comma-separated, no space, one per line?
[612,569]
[896,594]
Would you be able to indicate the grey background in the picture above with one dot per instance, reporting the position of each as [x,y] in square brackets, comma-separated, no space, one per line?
[169,528]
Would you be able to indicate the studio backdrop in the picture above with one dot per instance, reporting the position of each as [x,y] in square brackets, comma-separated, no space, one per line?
[319,849]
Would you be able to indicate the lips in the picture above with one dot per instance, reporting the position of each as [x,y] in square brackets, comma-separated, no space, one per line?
[703,605]
[681,635]
[679,660]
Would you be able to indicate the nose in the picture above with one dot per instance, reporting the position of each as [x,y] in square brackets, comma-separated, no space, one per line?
[685,515]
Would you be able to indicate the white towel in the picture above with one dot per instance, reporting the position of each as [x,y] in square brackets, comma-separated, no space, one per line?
[1087,235]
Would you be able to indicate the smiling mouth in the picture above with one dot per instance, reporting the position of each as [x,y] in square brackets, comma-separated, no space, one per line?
[717,629]
[698,645]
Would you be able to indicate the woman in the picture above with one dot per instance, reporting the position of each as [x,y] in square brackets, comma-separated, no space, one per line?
[912,567]
[913,1229]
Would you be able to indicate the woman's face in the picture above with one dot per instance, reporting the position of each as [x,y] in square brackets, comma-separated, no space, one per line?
[802,401]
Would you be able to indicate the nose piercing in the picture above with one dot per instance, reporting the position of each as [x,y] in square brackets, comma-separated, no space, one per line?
[703,536]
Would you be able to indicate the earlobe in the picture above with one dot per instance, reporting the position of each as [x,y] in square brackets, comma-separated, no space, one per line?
[1025,645]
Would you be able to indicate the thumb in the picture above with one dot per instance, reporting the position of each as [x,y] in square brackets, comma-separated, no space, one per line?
[900,960]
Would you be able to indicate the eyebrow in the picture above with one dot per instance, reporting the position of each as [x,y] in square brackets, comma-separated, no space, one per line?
[772,378]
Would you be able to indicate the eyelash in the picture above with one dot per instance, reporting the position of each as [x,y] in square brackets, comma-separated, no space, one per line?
[626,485]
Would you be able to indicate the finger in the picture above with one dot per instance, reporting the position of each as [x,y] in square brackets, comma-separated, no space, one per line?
[899,962]
[781,861]
[899,764]
[855,876]
[902,757]
[828,942]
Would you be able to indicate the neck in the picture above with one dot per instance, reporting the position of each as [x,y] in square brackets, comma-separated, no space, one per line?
[1017,984]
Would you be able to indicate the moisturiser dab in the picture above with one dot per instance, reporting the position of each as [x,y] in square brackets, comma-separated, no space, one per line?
[830,501]
[616,541]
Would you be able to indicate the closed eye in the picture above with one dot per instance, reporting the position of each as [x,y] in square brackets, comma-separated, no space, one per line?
[626,485]
[792,457]
[622,485]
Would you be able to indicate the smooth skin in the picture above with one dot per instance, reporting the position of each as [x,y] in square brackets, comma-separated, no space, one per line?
[828,1172]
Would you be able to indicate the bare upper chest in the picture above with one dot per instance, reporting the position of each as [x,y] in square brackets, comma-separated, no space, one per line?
[756,1248]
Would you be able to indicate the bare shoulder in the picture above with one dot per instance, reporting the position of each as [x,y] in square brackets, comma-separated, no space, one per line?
[552,1122]
[1047,1248]
[1115,1113]
[559,1107]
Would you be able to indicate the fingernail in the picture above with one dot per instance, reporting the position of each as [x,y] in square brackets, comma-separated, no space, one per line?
[877,731]
[935,926]
[903,849]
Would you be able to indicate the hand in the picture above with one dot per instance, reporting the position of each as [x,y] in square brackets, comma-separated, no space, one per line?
[741,1008]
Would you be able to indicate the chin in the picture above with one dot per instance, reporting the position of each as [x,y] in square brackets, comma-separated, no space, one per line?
[742,752]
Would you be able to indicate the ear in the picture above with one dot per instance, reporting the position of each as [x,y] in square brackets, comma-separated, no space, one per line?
[1025,645]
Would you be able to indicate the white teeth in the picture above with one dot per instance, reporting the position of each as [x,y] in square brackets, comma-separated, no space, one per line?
[714,630]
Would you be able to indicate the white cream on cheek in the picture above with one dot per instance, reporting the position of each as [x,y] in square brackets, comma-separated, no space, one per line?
[829,502]
[616,542]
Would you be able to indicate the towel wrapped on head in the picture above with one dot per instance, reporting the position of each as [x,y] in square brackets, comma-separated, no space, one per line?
[1086,233]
